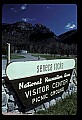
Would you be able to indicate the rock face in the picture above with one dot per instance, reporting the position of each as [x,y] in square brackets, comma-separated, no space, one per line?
[24,32]
[11,105]
[4,99]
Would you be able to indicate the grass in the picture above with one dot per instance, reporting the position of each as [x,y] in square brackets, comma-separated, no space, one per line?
[14,56]
[67,106]
[49,57]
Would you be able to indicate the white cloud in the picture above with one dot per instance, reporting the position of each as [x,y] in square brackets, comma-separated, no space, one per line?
[70,25]
[25,4]
[12,8]
[24,19]
[48,7]
[23,7]
[28,19]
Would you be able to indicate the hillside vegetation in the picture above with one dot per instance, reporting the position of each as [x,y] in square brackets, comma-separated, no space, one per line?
[37,39]
[67,106]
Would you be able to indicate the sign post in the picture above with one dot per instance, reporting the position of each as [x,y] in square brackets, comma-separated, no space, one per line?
[8,55]
[36,82]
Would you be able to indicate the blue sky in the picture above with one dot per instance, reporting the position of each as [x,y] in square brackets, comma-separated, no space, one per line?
[59,18]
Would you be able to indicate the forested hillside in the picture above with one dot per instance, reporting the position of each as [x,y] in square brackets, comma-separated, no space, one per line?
[37,39]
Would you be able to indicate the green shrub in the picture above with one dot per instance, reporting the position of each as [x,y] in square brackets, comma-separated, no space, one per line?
[67,106]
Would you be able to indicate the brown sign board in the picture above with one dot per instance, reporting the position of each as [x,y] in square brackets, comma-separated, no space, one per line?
[35,90]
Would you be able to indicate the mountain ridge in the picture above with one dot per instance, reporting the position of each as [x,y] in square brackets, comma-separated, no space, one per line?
[35,38]
[64,37]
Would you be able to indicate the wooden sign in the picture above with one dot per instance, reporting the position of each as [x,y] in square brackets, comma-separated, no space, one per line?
[36,82]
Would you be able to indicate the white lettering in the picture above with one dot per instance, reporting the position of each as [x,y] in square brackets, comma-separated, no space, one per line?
[54,78]
[66,75]
[53,85]
[43,89]
[59,90]
[52,93]
[37,91]
[34,92]
[44,68]
[39,98]
[28,94]
[21,85]
[33,100]
[56,91]
[47,87]
[58,84]
[58,66]
[29,84]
